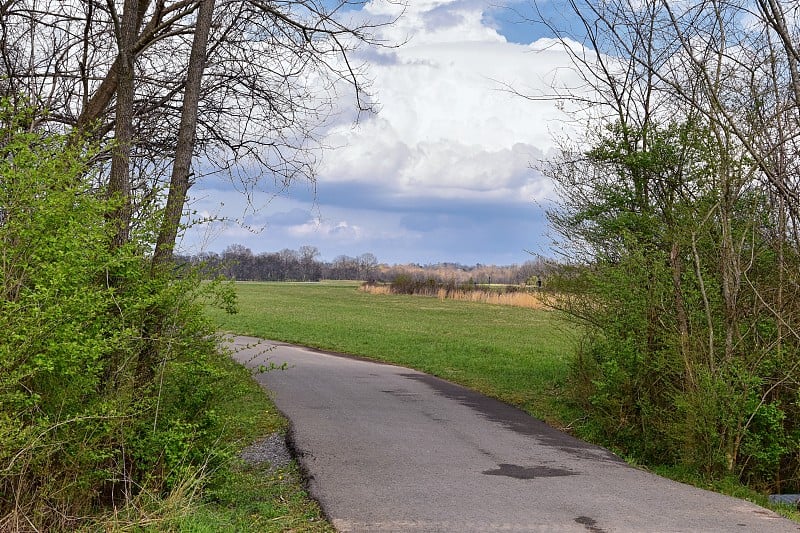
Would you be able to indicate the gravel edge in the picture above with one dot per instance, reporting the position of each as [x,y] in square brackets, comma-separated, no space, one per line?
[272,450]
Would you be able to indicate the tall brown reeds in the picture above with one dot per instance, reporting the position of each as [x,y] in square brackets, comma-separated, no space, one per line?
[530,300]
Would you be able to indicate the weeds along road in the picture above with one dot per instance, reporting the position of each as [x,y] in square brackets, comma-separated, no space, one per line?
[391,449]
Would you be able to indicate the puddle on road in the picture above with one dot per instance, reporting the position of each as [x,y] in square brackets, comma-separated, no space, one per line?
[403,395]
[590,524]
[527,472]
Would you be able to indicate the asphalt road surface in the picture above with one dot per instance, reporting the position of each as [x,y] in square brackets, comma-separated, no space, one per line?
[391,449]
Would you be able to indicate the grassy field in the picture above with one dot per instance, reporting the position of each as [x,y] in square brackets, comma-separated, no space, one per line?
[518,355]
[521,356]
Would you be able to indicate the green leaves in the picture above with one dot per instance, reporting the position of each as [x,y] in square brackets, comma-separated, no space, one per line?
[107,373]
[682,268]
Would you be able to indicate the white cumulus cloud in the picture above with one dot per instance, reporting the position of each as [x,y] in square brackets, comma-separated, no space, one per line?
[448,125]
[445,165]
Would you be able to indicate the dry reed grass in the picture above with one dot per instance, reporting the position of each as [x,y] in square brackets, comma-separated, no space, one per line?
[515,299]
[528,300]
[376,289]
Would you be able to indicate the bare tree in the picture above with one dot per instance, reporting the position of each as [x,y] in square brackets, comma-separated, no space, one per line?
[244,83]
[184,150]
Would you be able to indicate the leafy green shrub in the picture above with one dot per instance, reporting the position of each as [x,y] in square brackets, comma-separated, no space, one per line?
[681,279]
[107,372]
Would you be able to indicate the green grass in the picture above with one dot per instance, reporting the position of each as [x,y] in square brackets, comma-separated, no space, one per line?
[520,356]
[240,497]
[256,499]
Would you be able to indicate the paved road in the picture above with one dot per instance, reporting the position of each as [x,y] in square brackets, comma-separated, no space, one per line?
[391,449]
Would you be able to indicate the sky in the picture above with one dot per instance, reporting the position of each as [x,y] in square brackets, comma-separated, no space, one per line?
[443,172]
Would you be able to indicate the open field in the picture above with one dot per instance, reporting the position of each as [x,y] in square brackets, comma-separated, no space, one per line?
[518,355]
[521,356]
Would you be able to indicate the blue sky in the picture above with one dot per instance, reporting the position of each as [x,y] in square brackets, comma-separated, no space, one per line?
[443,172]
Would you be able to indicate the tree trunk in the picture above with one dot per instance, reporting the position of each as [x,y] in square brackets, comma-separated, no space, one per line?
[95,106]
[181,168]
[119,186]
[680,313]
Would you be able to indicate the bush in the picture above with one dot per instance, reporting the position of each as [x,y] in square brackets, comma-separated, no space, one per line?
[106,372]
[692,356]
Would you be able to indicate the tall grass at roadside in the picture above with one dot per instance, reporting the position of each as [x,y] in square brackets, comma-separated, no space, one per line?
[236,496]
[519,355]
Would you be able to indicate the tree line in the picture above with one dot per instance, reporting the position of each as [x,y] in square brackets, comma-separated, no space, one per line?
[240,263]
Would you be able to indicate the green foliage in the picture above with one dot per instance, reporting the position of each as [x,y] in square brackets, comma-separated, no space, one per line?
[404,284]
[407,284]
[107,373]
[257,499]
[679,276]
